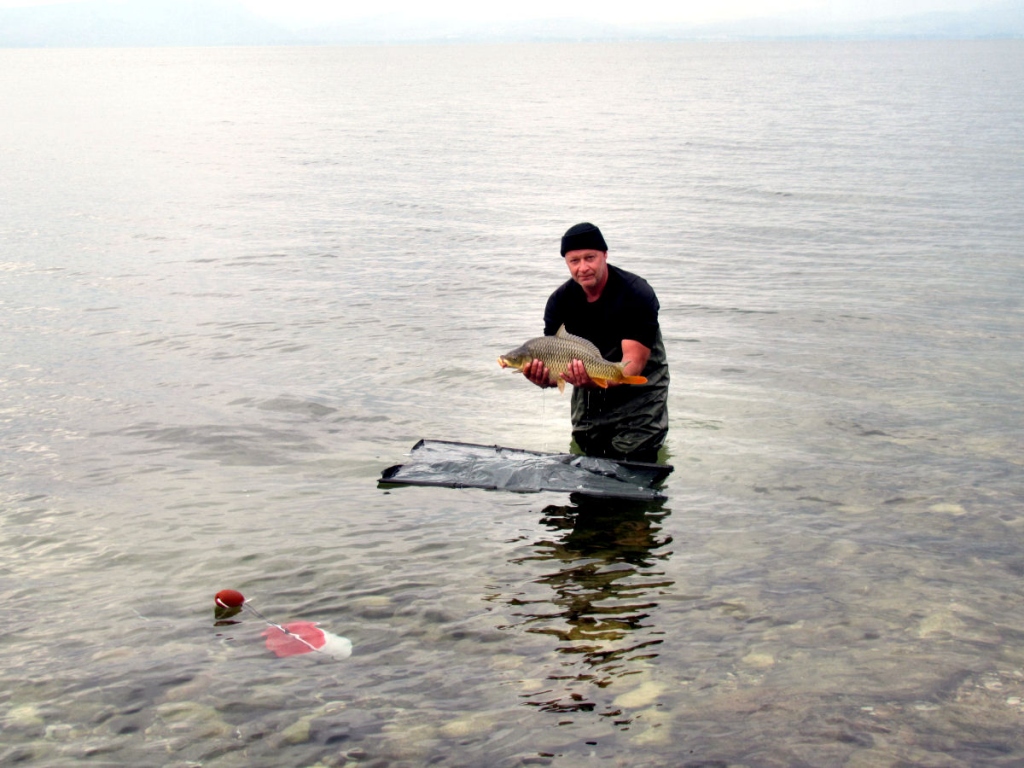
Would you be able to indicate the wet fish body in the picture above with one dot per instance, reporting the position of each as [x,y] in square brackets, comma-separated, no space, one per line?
[556,352]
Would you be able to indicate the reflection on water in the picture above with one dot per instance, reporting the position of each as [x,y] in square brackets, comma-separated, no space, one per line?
[605,555]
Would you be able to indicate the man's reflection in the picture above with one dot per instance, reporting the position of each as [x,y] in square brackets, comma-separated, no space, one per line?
[606,584]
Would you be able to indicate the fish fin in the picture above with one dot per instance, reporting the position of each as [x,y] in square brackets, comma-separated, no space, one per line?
[561,385]
[602,383]
[629,379]
[590,346]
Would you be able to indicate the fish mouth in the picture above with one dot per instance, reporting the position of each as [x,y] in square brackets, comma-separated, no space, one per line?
[502,362]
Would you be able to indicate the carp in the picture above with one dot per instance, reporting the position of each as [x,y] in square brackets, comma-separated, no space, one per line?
[556,352]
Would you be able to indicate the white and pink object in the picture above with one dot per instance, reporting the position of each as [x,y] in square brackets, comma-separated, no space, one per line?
[293,638]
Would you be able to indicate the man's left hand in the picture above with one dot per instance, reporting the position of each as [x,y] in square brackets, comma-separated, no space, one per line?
[576,374]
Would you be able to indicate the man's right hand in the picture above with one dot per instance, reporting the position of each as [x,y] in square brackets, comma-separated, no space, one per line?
[539,374]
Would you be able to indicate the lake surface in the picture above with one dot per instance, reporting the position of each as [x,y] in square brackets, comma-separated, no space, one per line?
[237,284]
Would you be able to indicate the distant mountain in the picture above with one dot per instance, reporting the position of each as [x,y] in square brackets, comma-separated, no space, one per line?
[226,22]
[395,29]
[1003,20]
[137,24]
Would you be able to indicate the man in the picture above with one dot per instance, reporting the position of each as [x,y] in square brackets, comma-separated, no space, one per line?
[618,312]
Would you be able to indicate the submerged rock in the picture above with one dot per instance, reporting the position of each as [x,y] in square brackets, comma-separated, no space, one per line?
[642,696]
[296,733]
[24,717]
[759,660]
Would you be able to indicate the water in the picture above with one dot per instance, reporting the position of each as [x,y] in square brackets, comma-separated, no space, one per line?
[236,284]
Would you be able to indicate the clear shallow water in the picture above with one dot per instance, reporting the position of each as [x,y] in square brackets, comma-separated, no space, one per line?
[237,284]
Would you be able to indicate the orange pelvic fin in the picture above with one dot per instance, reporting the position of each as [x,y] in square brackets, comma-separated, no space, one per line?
[603,383]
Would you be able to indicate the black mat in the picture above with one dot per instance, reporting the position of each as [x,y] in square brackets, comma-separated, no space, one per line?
[493,467]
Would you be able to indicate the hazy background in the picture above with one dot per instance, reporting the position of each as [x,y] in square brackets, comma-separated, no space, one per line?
[35,23]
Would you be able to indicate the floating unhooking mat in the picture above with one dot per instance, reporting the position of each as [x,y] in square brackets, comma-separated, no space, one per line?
[465,465]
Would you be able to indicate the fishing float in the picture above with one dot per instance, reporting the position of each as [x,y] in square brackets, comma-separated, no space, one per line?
[292,639]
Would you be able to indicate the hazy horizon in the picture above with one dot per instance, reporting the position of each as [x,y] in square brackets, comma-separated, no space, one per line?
[45,23]
[641,11]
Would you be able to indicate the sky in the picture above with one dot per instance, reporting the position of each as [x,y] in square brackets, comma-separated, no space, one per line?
[618,11]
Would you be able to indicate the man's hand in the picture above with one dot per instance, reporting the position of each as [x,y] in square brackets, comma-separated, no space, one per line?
[576,374]
[539,374]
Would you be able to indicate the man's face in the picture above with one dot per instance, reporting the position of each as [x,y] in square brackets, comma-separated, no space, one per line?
[587,267]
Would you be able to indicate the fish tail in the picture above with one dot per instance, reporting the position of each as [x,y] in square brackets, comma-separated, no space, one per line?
[628,379]
[603,381]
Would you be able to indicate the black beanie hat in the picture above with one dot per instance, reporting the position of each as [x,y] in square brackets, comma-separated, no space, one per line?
[581,237]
